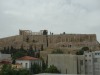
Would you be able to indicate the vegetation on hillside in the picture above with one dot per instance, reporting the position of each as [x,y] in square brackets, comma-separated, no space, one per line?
[17,53]
[81,51]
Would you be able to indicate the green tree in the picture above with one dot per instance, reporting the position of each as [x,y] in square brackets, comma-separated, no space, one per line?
[81,52]
[19,54]
[85,48]
[52,69]
[23,72]
[44,65]
[5,70]
[8,70]
[35,68]
[31,52]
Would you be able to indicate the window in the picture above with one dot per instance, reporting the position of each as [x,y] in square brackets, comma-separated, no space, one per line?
[95,53]
[26,65]
[31,63]
[95,59]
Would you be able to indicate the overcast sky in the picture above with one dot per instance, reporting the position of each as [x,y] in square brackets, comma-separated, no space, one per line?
[70,16]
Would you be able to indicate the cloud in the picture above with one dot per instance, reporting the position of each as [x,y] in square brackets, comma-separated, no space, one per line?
[71,16]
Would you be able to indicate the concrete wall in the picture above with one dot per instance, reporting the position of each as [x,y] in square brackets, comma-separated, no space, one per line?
[5,57]
[67,64]
[81,64]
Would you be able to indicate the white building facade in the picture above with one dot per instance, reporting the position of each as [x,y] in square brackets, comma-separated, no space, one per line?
[92,62]
[28,61]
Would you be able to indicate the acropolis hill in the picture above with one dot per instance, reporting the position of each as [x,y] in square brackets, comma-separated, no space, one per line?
[38,40]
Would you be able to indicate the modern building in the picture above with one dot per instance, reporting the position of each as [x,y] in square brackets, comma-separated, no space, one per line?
[92,62]
[80,64]
[88,64]
[67,63]
[5,59]
[28,61]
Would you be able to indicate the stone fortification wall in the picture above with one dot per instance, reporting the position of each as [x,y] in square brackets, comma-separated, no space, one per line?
[72,40]
[63,41]
[66,41]
[14,41]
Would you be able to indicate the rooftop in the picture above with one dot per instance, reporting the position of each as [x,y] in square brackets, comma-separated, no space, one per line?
[5,62]
[27,58]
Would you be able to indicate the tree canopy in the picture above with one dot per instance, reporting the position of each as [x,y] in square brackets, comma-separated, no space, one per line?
[81,51]
[8,70]
[52,69]
[35,68]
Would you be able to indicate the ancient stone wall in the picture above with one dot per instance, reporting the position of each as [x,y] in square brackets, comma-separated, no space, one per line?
[29,32]
[62,41]
[14,41]
[73,40]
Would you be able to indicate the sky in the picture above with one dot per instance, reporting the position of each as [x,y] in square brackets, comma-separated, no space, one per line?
[57,16]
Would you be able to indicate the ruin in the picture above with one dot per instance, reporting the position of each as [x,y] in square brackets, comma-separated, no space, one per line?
[41,39]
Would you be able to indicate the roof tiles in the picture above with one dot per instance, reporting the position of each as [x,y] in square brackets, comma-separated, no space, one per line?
[27,58]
